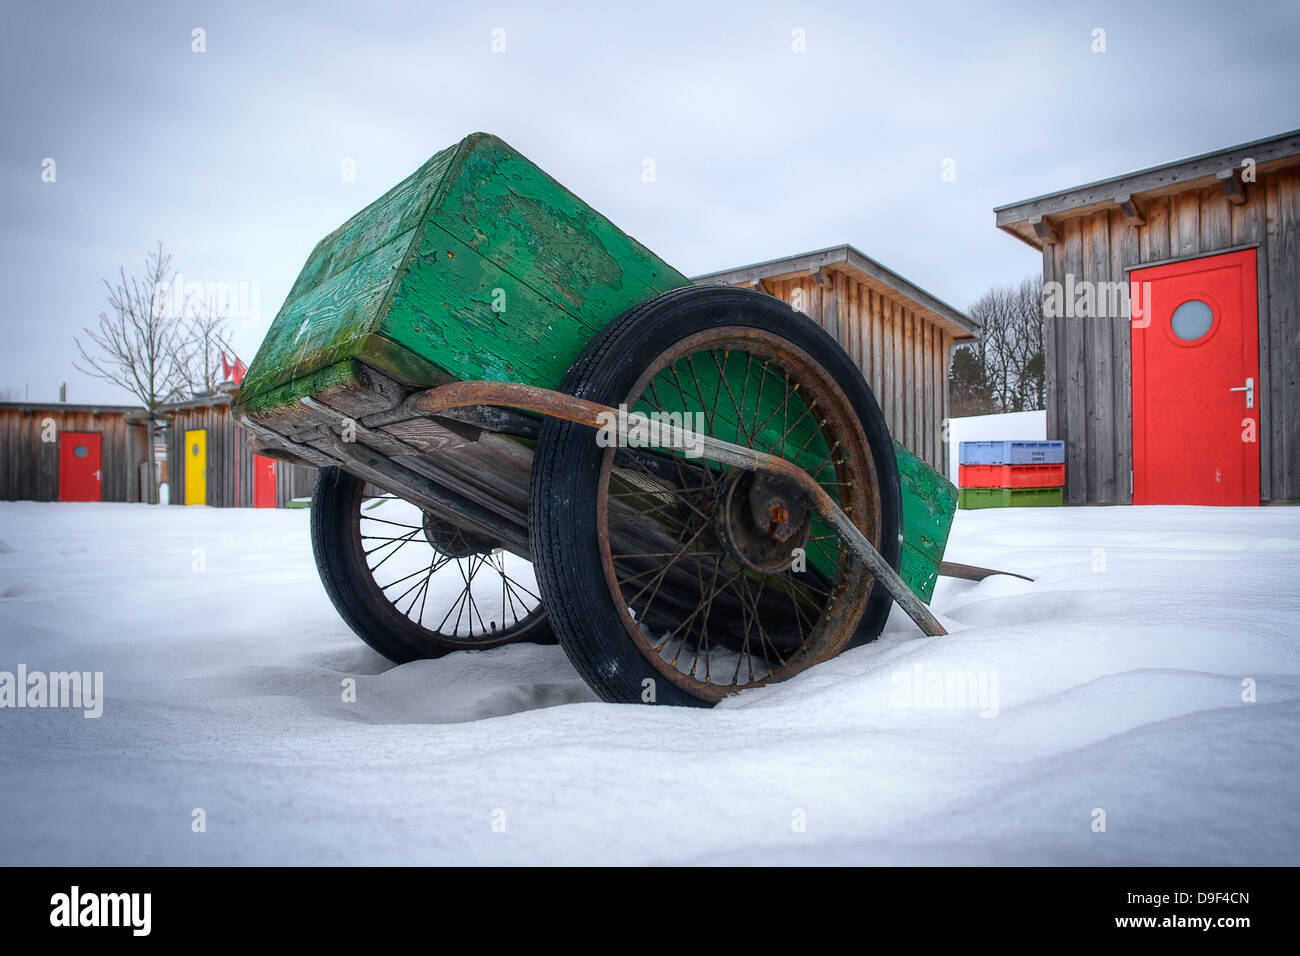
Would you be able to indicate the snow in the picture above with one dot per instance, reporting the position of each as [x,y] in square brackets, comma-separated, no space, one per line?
[1112,682]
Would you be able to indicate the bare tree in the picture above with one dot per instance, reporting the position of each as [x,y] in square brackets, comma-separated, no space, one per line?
[153,344]
[1003,370]
[138,342]
[200,348]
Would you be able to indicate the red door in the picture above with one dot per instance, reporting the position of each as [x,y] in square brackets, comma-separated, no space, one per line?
[263,482]
[80,467]
[1196,384]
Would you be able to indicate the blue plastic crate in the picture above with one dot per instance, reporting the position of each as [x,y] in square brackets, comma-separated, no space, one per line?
[1011,453]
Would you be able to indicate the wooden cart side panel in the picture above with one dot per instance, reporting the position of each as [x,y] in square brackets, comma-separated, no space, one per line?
[929,502]
[514,214]
[475,320]
[479,265]
[513,274]
[326,323]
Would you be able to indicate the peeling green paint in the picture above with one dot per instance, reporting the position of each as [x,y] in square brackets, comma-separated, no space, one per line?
[929,502]
[423,269]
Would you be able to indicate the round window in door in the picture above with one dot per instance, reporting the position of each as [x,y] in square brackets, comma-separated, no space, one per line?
[81,451]
[1192,320]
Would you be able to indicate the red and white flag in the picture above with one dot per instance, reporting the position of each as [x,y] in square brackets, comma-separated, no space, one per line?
[233,372]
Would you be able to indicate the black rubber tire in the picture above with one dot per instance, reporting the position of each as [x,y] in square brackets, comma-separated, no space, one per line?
[563,530]
[353,590]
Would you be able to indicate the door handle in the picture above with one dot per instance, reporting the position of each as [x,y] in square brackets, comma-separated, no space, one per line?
[1249,389]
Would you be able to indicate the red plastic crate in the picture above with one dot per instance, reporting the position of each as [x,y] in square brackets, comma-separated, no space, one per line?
[1011,476]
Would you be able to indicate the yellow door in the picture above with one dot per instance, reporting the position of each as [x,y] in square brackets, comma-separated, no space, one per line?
[196,467]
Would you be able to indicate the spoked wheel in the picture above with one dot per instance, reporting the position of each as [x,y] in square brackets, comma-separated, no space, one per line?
[681,581]
[410,584]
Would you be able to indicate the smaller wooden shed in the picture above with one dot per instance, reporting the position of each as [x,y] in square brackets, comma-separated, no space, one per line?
[208,461]
[899,335]
[1172,333]
[61,452]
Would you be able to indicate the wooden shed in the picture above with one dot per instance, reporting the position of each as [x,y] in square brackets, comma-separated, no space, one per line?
[208,461]
[61,452]
[1173,329]
[900,336]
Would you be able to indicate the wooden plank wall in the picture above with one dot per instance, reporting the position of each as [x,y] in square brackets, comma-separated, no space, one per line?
[230,463]
[1089,370]
[1281,369]
[903,356]
[29,467]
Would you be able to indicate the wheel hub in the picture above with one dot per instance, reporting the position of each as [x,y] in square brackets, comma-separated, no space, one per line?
[761,521]
[454,542]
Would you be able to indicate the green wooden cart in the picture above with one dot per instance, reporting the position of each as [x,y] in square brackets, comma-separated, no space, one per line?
[529,427]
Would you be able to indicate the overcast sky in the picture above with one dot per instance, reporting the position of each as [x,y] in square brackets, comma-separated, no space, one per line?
[233,156]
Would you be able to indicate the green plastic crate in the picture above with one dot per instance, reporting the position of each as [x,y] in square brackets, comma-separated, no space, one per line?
[971,498]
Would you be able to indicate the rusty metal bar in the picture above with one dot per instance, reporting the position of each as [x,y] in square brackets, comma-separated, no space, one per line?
[972,572]
[594,415]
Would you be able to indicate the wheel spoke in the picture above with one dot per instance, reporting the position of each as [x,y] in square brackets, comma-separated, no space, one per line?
[491,604]
[404,541]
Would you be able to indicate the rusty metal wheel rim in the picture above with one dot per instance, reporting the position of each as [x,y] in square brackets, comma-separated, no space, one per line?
[810,391]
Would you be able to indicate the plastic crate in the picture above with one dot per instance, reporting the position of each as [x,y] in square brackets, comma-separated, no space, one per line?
[1011,453]
[970,498]
[1011,476]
